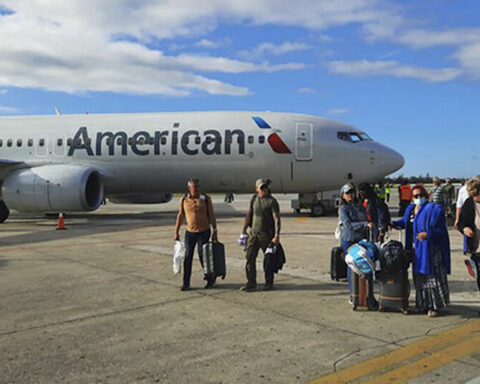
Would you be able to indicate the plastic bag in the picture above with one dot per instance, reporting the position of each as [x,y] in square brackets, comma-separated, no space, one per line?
[339,231]
[178,257]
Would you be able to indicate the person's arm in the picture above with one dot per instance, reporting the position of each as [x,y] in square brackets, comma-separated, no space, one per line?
[178,224]
[278,227]
[212,218]
[402,223]
[348,223]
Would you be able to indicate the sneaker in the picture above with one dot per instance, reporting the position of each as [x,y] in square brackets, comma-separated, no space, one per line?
[248,288]
[350,300]
[185,288]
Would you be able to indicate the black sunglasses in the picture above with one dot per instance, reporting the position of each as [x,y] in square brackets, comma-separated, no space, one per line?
[417,196]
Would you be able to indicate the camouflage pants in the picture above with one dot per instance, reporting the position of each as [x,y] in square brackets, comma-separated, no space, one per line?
[256,241]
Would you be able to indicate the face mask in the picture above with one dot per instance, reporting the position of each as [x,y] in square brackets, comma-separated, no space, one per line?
[419,201]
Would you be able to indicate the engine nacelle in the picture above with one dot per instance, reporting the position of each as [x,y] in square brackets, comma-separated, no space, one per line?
[141,198]
[53,188]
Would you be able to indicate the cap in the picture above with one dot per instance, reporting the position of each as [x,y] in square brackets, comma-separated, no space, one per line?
[347,188]
[261,182]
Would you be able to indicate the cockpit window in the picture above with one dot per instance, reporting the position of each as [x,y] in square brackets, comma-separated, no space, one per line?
[353,137]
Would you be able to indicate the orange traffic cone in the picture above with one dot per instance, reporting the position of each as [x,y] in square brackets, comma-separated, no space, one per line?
[61,223]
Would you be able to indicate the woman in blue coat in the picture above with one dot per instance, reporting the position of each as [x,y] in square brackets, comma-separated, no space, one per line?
[426,236]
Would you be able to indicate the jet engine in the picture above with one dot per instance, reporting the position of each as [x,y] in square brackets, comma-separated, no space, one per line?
[53,188]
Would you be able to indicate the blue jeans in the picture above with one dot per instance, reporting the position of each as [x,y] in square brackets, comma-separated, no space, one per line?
[193,239]
[345,246]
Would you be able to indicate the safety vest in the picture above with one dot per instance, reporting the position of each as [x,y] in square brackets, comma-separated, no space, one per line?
[405,192]
[380,192]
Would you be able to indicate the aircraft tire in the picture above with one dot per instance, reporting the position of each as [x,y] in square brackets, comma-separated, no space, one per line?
[4,212]
[318,210]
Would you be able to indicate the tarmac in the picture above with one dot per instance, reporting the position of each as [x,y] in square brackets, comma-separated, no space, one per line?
[99,303]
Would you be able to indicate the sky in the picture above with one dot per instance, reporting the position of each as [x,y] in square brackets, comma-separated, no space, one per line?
[406,72]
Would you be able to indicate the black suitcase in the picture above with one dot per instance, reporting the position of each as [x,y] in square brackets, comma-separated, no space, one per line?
[362,293]
[338,267]
[214,259]
[394,292]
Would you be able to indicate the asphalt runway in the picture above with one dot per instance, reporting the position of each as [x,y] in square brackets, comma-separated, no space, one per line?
[99,303]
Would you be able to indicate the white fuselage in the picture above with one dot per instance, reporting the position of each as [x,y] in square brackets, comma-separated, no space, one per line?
[227,151]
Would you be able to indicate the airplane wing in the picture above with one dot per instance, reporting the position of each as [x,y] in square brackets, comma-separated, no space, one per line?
[7,163]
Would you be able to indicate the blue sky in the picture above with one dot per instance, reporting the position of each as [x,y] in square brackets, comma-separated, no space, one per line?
[407,72]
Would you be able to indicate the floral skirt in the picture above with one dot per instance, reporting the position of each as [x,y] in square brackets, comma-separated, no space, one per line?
[432,292]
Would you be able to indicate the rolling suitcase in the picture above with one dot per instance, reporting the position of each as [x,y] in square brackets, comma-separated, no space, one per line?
[394,292]
[362,293]
[338,267]
[214,259]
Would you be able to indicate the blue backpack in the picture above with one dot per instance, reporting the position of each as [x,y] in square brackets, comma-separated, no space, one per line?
[373,251]
[359,260]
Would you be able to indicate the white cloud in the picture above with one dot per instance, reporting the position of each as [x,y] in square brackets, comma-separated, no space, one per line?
[365,68]
[305,90]
[338,111]
[81,46]
[209,44]
[3,91]
[266,49]
[8,110]
[469,58]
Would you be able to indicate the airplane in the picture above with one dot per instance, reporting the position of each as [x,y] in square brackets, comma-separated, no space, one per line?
[68,163]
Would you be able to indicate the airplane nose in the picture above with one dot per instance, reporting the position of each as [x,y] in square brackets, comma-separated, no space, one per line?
[391,160]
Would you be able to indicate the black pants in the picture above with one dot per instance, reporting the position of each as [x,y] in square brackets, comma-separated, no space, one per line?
[193,239]
[403,206]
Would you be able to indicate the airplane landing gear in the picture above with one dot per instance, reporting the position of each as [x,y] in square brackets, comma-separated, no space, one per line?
[4,212]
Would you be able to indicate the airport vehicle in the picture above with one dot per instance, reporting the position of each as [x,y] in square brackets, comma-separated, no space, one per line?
[73,162]
[319,204]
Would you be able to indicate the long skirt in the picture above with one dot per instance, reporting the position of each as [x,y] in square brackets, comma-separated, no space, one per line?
[432,292]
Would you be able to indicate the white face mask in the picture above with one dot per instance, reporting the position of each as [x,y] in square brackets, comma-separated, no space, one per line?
[419,201]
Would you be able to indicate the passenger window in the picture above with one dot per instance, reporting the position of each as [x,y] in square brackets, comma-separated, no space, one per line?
[41,142]
[176,125]
[1,143]
[151,141]
[119,141]
[59,142]
[261,139]
[30,142]
[9,142]
[250,139]
[164,140]
[197,140]
[19,142]
[89,141]
[130,140]
[141,140]
[69,142]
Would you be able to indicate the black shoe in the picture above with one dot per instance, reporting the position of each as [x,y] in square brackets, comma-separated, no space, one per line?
[268,287]
[248,288]
[185,288]
[209,285]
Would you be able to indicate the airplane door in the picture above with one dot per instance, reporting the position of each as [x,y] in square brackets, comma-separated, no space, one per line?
[303,142]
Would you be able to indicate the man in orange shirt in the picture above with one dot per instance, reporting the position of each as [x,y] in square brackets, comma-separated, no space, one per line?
[197,208]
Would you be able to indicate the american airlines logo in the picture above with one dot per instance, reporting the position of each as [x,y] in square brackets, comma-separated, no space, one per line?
[191,142]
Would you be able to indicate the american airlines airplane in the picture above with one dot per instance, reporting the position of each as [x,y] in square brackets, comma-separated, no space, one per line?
[73,162]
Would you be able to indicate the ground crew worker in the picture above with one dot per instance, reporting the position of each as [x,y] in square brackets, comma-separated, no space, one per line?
[197,208]
[380,191]
[264,218]
[388,191]
[405,192]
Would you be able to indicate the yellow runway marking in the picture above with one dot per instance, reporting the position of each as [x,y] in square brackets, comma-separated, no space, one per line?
[301,219]
[429,344]
[429,363]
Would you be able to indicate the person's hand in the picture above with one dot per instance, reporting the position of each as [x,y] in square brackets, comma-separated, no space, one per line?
[176,237]
[467,231]
[371,225]
[455,225]
[215,237]
[276,240]
[422,236]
